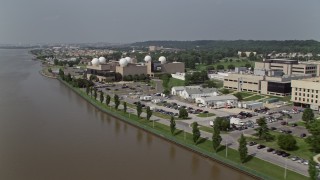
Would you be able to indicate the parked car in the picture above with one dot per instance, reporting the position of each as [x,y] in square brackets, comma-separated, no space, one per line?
[294,125]
[252,143]
[285,154]
[294,158]
[261,146]
[270,149]
[273,128]
[303,135]
[283,123]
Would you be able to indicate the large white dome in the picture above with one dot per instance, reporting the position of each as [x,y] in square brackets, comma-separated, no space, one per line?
[123,62]
[102,60]
[147,58]
[128,59]
[162,59]
[95,61]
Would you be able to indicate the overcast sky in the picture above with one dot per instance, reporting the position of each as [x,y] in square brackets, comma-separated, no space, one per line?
[39,21]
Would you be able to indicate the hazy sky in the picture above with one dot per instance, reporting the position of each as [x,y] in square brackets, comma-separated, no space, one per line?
[38,21]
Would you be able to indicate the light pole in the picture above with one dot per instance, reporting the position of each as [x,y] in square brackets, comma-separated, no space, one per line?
[285,169]
[226,148]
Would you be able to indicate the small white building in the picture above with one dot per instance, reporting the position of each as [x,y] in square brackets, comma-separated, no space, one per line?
[177,90]
[193,93]
[214,100]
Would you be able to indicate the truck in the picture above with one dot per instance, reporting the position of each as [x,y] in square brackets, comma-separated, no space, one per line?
[146,98]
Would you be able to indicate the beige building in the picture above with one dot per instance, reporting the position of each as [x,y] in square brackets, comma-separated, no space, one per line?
[306,93]
[277,85]
[289,66]
[102,71]
[132,69]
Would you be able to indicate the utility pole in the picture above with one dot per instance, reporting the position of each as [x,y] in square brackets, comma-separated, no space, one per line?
[285,169]
[226,148]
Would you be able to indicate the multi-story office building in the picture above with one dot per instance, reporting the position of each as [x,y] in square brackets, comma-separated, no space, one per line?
[289,67]
[269,85]
[306,92]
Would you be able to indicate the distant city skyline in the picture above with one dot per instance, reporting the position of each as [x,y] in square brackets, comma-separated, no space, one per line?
[126,21]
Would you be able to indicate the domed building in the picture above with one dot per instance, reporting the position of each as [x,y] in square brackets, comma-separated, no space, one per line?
[163,66]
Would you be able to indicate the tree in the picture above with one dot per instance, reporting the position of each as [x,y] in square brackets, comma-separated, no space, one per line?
[91,91]
[87,89]
[118,76]
[225,91]
[247,65]
[220,67]
[251,56]
[108,99]
[243,54]
[243,150]
[314,139]
[216,138]
[263,130]
[61,73]
[172,125]
[183,113]
[308,116]
[101,96]
[116,101]
[195,132]
[287,142]
[125,106]
[313,171]
[239,96]
[149,113]
[231,66]
[95,93]
[68,78]
[139,109]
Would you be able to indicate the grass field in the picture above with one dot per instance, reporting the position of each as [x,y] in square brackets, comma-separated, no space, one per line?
[303,149]
[254,98]
[204,145]
[175,82]
[245,94]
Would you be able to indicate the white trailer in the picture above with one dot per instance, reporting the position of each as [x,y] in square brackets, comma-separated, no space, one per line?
[146,98]
[219,105]
[255,105]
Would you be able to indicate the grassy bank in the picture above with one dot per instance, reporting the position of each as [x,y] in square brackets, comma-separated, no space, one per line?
[254,166]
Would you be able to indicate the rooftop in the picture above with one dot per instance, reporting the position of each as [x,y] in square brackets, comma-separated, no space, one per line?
[219,98]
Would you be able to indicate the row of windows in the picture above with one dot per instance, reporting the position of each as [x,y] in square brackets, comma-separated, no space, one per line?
[313,67]
[306,100]
[303,94]
[306,90]
[311,72]
[244,82]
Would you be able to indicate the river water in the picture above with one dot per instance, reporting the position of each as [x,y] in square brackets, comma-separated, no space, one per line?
[47,132]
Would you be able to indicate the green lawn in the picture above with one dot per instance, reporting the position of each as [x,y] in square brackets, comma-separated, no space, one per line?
[299,123]
[245,94]
[204,146]
[254,98]
[175,82]
[285,99]
[303,150]
[206,115]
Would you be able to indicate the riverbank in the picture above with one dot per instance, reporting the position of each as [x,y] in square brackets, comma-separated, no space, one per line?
[256,168]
